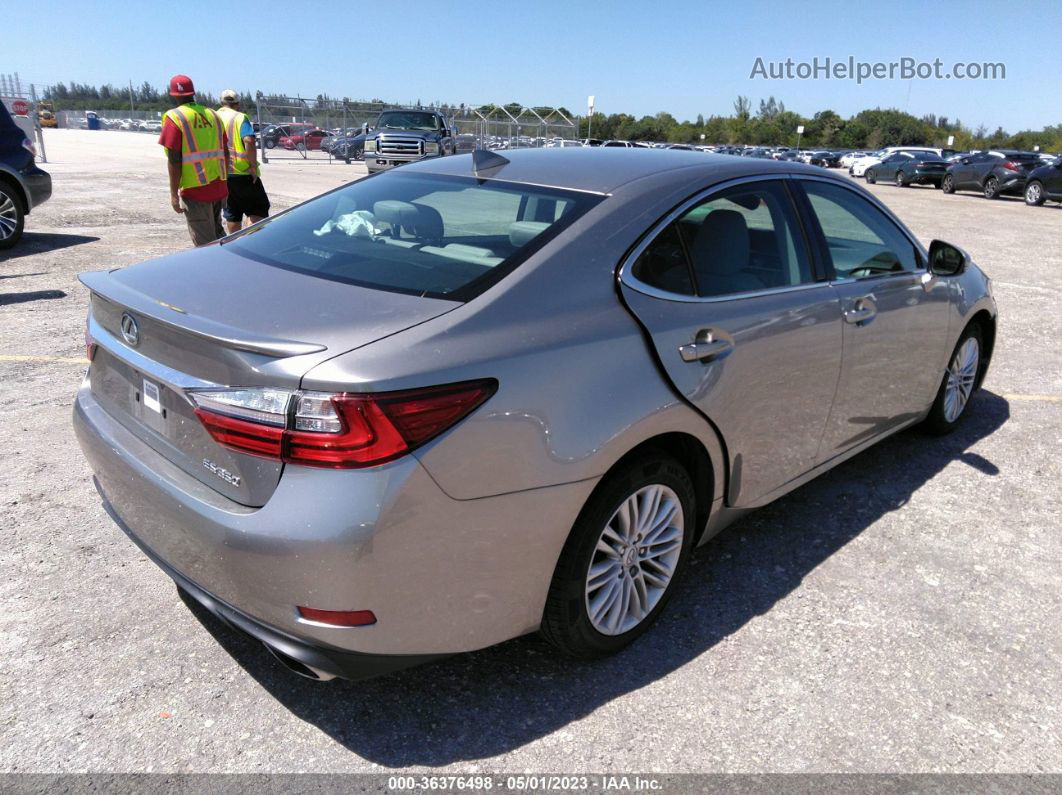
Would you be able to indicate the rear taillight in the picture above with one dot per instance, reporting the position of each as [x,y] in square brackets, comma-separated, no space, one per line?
[90,343]
[29,146]
[1010,165]
[342,430]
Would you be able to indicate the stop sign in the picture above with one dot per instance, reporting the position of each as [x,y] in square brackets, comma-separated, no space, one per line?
[20,107]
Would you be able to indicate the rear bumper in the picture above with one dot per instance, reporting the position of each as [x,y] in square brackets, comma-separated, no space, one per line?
[318,660]
[38,184]
[442,576]
[1014,184]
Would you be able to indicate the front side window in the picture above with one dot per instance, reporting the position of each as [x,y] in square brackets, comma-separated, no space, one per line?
[862,241]
[432,235]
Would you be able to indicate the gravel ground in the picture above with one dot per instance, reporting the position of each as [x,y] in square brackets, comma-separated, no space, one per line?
[900,613]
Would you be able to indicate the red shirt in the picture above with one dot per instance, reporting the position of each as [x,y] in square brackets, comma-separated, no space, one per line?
[172,138]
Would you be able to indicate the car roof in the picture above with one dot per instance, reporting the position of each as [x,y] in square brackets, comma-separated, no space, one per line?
[599,170]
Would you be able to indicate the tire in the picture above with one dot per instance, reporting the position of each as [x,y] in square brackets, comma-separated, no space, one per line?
[963,374]
[948,184]
[870,176]
[270,144]
[900,182]
[12,218]
[1034,194]
[991,188]
[566,620]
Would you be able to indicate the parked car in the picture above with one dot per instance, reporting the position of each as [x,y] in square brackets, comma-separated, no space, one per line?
[349,147]
[272,134]
[23,186]
[308,140]
[1043,183]
[592,142]
[993,173]
[406,136]
[858,166]
[909,168]
[619,144]
[346,447]
[152,126]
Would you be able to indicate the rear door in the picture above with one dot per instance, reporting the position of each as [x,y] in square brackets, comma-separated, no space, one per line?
[742,326]
[895,318]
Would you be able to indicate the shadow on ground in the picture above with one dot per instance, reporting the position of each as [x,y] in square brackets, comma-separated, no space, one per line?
[489,702]
[41,242]
[32,295]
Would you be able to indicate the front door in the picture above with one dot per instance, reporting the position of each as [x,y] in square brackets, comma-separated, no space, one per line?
[743,328]
[895,318]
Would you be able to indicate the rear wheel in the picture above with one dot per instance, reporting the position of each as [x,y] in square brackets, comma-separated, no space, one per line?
[870,176]
[900,181]
[1034,194]
[991,188]
[948,184]
[12,219]
[618,568]
[959,383]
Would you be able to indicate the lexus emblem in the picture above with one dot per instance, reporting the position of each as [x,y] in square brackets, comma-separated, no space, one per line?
[130,330]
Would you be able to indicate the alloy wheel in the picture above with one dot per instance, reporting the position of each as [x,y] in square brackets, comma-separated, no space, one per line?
[1034,194]
[8,216]
[635,559]
[960,378]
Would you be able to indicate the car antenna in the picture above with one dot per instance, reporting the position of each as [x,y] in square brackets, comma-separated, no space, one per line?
[484,160]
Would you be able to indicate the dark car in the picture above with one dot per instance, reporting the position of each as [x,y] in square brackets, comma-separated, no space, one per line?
[1043,183]
[22,185]
[405,136]
[994,172]
[909,168]
[351,146]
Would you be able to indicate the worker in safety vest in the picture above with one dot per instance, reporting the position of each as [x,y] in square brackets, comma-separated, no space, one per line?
[198,161]
[247,195]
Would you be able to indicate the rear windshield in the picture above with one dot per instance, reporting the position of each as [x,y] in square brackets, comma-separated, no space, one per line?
[419,234]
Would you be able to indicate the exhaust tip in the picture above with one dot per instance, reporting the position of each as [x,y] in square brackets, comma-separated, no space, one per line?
[299,668]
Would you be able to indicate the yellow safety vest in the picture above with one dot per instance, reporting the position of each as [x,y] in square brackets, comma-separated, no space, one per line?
[202,147]
[240,160]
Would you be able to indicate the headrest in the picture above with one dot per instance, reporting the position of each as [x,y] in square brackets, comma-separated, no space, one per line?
[722,243]
[395,213]
[419,220]
[522,232]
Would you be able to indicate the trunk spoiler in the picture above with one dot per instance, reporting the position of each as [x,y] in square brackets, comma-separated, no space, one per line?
[101,283]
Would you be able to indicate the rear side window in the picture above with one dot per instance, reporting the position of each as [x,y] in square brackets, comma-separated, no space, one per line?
[743,239]
[420,234]
[862,241]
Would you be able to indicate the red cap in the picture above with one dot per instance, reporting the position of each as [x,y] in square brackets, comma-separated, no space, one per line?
[181,86]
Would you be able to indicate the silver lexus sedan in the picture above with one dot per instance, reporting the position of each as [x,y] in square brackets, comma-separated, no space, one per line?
[480,396]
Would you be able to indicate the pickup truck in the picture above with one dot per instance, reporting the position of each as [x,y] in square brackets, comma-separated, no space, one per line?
[403,136]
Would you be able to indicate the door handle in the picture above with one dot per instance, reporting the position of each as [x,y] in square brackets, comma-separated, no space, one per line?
[706,349]
[861,313]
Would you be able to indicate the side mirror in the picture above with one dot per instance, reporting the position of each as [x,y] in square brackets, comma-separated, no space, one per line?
[966,161]
[946,259]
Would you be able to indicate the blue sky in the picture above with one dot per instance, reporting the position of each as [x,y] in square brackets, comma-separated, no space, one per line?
[639,57]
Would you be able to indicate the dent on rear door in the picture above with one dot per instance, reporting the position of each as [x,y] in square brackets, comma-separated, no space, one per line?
[771,396]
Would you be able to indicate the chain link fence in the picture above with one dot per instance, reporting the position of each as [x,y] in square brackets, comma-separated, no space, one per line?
[302,128]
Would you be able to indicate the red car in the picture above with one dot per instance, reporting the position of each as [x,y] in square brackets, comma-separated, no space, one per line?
[311,139]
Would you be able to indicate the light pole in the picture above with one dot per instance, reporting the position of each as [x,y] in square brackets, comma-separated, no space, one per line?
[590,117]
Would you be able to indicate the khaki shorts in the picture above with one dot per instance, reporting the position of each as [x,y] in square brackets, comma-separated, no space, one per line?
[204,220]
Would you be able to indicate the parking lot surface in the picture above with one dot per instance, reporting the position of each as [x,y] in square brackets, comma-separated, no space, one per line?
[900,613]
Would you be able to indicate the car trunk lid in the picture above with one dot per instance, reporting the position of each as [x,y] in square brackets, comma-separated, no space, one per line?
[211,318]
